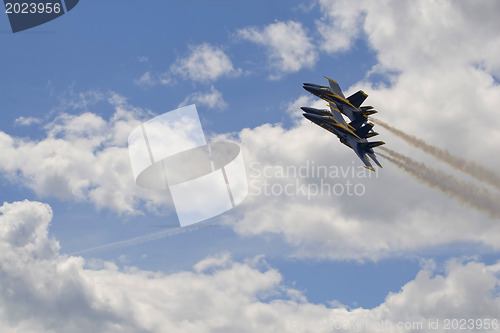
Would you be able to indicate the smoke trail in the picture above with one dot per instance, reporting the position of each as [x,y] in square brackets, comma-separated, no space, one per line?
[468,193]
[143,239]
[471,168]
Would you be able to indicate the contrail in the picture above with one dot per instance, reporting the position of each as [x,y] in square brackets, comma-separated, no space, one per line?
[471,168]
[143,239]
[468,193]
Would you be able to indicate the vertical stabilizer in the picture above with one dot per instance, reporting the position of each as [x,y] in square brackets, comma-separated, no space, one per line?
[335,87]
[357,98]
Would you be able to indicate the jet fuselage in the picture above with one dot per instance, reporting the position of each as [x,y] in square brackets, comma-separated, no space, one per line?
[327,94]
[329,123]
[319,112]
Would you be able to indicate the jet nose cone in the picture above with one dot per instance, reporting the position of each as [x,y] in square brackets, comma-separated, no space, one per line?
[312,117]
[311,89]
[307,115]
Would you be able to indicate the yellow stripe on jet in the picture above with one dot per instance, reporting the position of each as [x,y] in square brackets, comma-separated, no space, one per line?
[340,98]
[345,128]
[330,79]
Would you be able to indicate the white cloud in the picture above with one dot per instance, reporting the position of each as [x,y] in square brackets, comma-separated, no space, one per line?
[449,34]
[145,80]
[83,157]
[72,100]
[150,79]
[340,24]
[289,47]
[293,108]
[27,121]
[204,63]
[220,260]
[46,291]
[212,99]
[429,34]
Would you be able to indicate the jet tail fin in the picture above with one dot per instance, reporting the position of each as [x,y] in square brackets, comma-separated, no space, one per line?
[335,87]
[374,158]
[362,132]
[368,145]
[357,98]
[371,134]
[369,112]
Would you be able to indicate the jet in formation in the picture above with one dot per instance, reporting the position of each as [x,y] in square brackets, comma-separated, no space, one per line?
[353,134]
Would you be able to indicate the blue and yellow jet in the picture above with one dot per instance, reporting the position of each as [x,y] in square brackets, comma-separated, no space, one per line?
[354,134]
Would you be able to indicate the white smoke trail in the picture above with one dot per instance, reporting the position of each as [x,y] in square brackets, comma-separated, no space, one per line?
[143,239]
[470,167]
[468,193]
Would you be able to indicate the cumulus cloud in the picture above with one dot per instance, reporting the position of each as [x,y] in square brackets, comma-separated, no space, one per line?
[431,301]
[289,47]
[433,46]
[150,79]
[448,34]
[212,99]
[81,101]
[27,121]
[204,63]
[44,290]
[145,80]
[340,25]
[82,157]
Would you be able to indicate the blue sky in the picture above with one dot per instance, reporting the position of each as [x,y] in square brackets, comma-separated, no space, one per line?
[73,88]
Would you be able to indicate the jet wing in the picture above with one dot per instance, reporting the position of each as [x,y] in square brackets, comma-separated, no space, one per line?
[374,158]
[335,87]
[358,149]
[362,132]
[337,115]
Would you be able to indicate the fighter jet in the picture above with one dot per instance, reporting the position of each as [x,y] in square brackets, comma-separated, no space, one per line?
[356,139]
[350,106]
[355,133]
